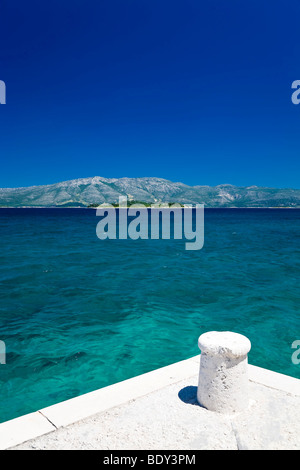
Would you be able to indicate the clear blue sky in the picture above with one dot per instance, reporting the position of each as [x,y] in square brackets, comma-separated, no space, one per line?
[191,91]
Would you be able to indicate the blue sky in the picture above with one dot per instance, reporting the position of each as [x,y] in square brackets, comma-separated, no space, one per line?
[191,91]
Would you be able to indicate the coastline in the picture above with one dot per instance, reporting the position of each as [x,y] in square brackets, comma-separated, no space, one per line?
[161,208]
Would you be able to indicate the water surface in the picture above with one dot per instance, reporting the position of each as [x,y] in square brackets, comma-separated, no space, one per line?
[77,313]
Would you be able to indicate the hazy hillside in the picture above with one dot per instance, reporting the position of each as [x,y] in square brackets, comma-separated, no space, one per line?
[96,190]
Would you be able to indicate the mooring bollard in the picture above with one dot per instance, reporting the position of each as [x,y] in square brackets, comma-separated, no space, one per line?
[223,376]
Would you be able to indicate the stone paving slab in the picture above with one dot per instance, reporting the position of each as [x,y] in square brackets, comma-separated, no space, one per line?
[170,418]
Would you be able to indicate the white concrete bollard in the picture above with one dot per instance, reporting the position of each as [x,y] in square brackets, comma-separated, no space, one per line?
[223,376]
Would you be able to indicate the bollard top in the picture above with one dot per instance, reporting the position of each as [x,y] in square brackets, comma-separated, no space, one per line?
[224,343]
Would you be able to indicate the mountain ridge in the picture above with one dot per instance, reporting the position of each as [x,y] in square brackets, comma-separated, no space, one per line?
[84,192]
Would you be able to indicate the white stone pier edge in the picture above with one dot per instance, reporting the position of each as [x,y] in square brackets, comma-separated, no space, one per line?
[30,426]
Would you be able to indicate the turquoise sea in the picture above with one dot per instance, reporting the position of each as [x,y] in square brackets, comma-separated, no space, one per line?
[78,313]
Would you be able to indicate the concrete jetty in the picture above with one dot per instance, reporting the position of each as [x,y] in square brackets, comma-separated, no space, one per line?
[159,410]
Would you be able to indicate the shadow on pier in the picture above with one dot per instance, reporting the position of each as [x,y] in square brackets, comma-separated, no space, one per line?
[189,395]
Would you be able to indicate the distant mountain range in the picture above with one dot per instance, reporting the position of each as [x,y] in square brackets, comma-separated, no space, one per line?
[91,191]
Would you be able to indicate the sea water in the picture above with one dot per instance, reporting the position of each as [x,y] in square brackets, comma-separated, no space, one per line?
[78,313]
